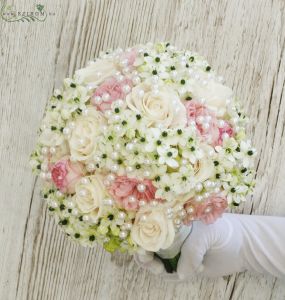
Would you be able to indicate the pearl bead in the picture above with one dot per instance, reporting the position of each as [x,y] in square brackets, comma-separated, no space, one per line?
[208,184]
[90,167]
[59,194]
[190,210]
[192,123]
[190,71]
[141,93]
[108,113]
[208,119]
[141,187]
[155,92]
[85,218]
[221,123]
[199,198]
[211,152]
[126,70]
[97,100]
[143,218]
[182,213]
[119,103]
[221,78]
[48,176]
[115,155]
[85,112]
[44,150]
[146,174]
[118,146]
[111,177]
[118,128]
[130,146]
[217,190]
[169,210]
[154,203]
[142,203]
[174,74]
[198,187]
[70,204]
[126,89]
[43,175]
[66,131]
[206,126]
[225,136]
[208,209]
[120,77]
[128,225]
[207,195]
[97,159]
[75,211]
[132,199]
[124,62]
[71,125]
[203,101]
[114,168]
[123,234]
[200,119]
[53,204]
[52,150]
[44,166]
[121,215]
[107,182]
[147,162]
[83,193]
[205,82]
[177,221]
[197,76]
[136,80]
[108,202]
[105,97]
[129,169]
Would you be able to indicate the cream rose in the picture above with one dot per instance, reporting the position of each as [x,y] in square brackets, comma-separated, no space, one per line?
[215,95]
[89,196]
[152,230]
[161,108]
[96,72]
[82,142]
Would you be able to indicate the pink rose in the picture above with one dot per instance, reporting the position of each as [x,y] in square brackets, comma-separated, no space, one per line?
[123,188]
[65,174]
[130,56]
[205,120]
[207,211]
[207,123]
[114,89]
[225,129]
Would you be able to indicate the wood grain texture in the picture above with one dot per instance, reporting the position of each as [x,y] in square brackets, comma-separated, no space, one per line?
[244,40]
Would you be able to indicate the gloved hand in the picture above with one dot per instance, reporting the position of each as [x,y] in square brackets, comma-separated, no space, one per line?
[234,243]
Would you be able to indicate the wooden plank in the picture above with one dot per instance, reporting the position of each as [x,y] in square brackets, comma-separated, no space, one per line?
[243,40]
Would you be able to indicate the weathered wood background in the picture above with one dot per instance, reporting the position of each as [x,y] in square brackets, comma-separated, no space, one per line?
[243,40]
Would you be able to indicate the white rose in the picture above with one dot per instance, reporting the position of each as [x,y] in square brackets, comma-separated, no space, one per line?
[204,169]
[161,108]
[89,196]
[51,138]
[215,95]
[96,72]
[83,138]
[152,230]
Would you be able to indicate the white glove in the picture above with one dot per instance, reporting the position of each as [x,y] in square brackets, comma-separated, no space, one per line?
[234,243]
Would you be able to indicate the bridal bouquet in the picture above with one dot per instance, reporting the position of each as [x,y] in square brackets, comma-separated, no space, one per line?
[140,143]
